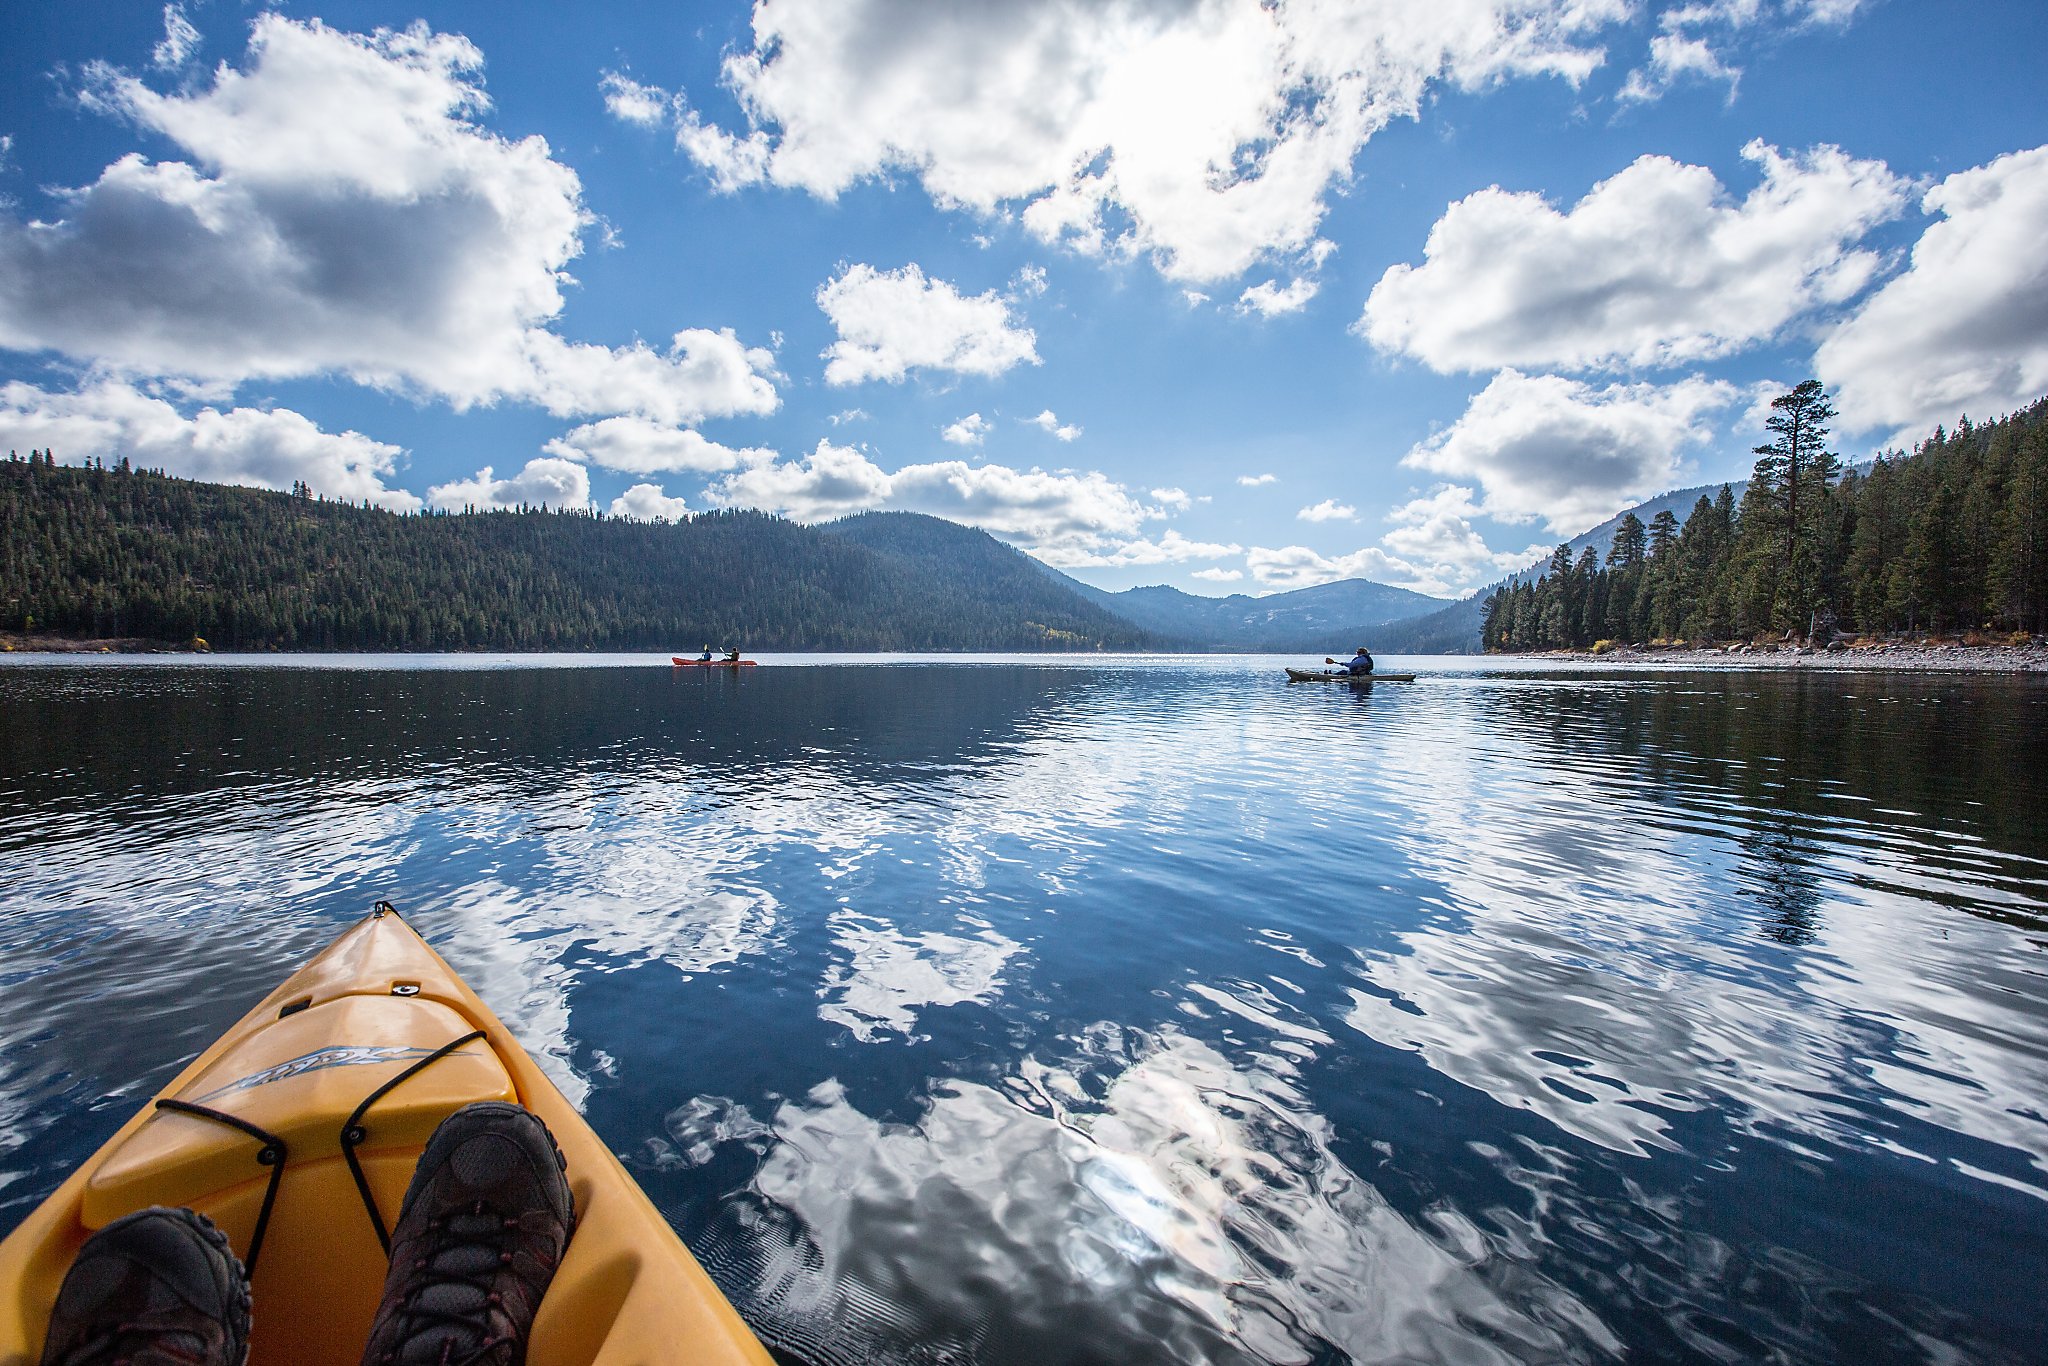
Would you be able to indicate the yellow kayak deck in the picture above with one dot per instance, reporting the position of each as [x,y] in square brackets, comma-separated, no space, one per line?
[377,1017]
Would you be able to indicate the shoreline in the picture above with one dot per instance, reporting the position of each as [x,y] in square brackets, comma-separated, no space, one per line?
[1923,656]
[12,642]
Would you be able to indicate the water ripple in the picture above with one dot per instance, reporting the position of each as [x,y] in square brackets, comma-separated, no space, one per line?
[1137,1010]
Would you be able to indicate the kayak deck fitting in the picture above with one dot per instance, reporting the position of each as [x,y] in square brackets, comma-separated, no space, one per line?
[297,1132]
[1340,676]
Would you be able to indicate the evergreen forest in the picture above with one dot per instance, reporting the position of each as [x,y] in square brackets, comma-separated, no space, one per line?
[1950,538]
[114,553]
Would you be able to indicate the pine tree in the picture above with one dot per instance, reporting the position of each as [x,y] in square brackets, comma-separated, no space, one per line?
[2019,558]
[1625,566]
[1793,473]
[1629,544]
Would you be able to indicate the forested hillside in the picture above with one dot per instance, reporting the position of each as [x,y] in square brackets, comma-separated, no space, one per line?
[981,570]
[98,552]
[1952,537]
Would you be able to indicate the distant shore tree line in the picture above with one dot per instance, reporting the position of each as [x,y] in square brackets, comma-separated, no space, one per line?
[1953,537]
[92,552]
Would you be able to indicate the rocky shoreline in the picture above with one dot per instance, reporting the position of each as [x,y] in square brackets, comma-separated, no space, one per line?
[1921,656]
[12,642]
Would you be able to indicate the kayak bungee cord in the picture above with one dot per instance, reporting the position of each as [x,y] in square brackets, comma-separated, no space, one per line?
[353,1132]
[272,1155]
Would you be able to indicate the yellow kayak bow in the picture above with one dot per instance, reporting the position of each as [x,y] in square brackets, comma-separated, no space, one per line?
[297,1132]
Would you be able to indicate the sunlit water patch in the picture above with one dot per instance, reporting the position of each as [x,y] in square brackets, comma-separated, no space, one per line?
[1136,1010]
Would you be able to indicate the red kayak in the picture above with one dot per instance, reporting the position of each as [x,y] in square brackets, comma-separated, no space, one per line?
[682,663]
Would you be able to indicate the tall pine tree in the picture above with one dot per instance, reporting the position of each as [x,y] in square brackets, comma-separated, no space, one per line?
[1793,474]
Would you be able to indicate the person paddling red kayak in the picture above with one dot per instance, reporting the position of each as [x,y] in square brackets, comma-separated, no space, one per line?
[732,660]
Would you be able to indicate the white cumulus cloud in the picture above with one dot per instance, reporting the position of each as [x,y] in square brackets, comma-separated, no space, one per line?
[1432,548]
[1253,481]
[701,374]
[633,102]
[1568,453]
[1214,574]
[342,213]
[647,503]
[1048,422]
[1268,299]
[968,431]
[892,322]
[1965,327]
[1054,514]
[1329,510]
[1674,58]
[547,481]
[1170,548]
[1694,38]
[1297,566]
[1657,265]
[264,448]
[180,40]
[1435,534]
[635,445]
[1204,135]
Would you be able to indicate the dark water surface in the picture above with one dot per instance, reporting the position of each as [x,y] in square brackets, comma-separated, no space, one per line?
[1138,1011]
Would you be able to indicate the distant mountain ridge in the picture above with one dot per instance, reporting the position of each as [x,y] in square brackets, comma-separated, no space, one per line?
[1320,618]
[1324,617]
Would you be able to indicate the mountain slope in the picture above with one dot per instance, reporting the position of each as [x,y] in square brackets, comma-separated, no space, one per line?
[99,553]
[977,568]
[1320,618]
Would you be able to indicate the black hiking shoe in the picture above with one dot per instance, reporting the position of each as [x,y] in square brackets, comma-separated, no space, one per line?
[159,1287]
[483,1227]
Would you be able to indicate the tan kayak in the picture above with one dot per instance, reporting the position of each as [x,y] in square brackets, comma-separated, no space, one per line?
[1344,676]
[297,1132]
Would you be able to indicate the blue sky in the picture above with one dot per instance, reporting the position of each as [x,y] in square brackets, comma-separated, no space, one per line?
[1229,296]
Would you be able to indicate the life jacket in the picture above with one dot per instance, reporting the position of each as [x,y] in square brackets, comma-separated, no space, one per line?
[1360,664]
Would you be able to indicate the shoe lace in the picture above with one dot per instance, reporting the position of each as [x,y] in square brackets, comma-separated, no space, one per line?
[117,1345]
[469,1251]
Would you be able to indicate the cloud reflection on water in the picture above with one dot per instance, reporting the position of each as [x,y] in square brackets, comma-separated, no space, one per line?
[888,975]
[1144,1197]
[1580,966]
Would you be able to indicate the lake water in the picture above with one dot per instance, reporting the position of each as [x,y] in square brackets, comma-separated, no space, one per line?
[1136,1010]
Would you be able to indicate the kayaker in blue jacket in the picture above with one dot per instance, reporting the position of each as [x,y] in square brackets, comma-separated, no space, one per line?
[705,658]
[1361,663]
